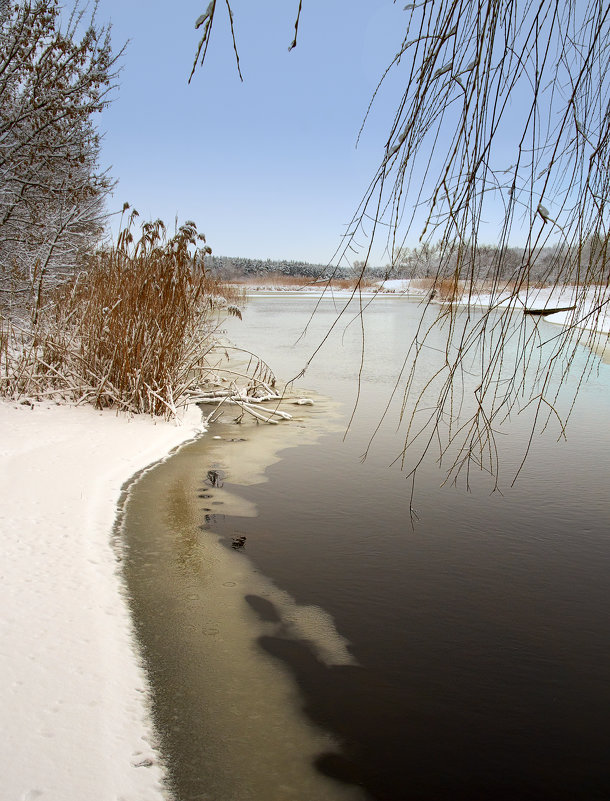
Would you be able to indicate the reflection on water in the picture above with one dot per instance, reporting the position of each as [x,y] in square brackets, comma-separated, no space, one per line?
[464,659]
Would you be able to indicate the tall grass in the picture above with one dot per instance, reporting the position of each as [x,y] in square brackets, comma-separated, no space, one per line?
[132,332]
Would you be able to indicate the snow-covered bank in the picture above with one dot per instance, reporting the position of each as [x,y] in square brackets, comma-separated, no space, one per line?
[587,301]
[592,304]
[592,310]
[73,695]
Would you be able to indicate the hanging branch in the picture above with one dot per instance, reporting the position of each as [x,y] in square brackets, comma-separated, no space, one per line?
[503,125]
[296,27]
[234,42]
[206,20]
[484,82]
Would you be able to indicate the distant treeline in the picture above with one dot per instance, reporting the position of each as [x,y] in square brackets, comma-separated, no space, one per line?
[430,261]
[230,267]
[484,262]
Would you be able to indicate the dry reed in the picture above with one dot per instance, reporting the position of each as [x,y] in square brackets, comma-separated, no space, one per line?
[133,332]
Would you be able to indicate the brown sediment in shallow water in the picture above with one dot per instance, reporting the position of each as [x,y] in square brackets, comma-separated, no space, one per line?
[260,445]
[229,716]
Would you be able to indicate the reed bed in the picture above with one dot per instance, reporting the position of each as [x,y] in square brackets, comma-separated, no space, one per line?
[134,331]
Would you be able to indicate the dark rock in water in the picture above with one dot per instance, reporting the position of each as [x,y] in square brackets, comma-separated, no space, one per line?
[215,478]
[238,542]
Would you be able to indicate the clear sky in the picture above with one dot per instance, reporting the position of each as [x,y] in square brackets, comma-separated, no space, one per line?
[267,168]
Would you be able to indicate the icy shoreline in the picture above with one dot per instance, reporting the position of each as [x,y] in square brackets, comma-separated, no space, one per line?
[74,695]
[583,317]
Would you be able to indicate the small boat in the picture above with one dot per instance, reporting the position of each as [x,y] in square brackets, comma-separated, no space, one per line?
[544,312]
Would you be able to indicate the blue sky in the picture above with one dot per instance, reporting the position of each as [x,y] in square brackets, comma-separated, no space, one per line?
[267,168]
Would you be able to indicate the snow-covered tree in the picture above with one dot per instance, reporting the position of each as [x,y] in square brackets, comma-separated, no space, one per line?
[54,76]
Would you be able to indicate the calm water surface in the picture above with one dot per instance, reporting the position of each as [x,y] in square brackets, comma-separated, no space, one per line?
[343,653]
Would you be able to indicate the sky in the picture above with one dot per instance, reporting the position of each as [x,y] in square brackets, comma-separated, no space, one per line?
[267,168]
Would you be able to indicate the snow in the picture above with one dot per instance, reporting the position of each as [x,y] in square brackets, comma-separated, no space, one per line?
[400,286]
[585,300]
[74,712]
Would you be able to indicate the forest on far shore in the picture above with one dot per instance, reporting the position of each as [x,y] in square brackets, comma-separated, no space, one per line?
[545,265]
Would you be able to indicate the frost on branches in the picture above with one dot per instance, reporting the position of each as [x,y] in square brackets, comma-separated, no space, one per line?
[54,75]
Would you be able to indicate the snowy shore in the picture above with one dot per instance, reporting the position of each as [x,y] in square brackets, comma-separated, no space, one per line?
[73,695]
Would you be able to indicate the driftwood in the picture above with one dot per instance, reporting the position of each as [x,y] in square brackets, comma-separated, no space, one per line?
[245,400]
[544,312]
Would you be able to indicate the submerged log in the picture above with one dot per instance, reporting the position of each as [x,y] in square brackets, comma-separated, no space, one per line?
[544,312]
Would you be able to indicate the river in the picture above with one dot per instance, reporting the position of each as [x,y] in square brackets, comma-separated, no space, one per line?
[344,653]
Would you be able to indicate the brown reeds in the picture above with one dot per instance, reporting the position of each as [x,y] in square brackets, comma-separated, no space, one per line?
[132,332]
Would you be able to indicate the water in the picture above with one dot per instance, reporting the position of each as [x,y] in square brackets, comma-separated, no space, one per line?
[344,654]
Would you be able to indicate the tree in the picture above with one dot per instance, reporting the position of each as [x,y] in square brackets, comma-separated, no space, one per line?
[503,125]
[51,190]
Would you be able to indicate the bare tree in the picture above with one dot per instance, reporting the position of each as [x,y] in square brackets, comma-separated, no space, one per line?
[482,80]
[51,190]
